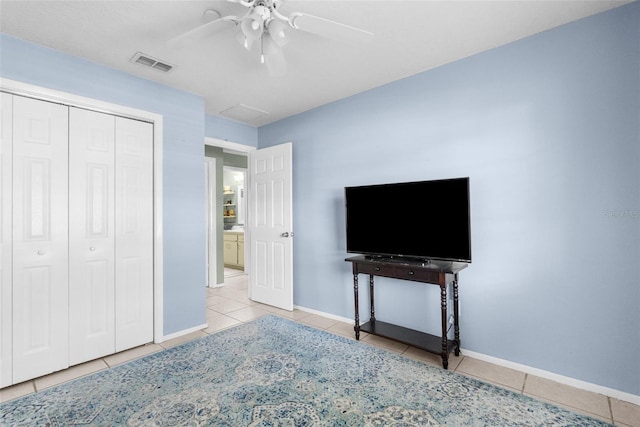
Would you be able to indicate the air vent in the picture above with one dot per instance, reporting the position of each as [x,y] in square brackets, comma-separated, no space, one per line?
[244,113]
[149,61]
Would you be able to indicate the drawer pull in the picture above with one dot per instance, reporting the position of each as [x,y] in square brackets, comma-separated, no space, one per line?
[411,273]
[377,268]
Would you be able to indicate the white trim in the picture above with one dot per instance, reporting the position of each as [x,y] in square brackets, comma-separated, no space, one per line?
[211,218]
[579,384]
[70,99]
[239,149]
[233,146]
[583,385]
[185,332]
[323,314]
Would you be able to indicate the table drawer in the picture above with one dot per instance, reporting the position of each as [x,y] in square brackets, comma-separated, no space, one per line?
[400,272]
[377,270]
[417,274]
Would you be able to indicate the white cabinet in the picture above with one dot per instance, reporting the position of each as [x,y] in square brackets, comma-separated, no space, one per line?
[234,249]
[77,279]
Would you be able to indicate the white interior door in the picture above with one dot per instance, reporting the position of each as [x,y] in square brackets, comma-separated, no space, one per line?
[40,238]
[134,233]
[271,226]
[6,141]
[91,235]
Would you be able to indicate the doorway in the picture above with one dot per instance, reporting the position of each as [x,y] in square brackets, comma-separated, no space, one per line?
[236,160]
[234,209]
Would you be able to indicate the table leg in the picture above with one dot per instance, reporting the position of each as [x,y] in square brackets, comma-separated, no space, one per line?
[373,311]
[443,309]
[356,328]
[456,325]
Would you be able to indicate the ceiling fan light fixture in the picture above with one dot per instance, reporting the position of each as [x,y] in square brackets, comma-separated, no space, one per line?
[244,40]
[252,26]
[278,32]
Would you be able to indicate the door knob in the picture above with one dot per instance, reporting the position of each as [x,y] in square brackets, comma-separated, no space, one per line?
[41,252]
[285,234]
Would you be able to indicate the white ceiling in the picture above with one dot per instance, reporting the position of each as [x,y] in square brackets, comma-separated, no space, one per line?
[410,37]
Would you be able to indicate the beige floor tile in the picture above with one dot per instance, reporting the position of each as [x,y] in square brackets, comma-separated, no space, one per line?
[132,354]
[295,314]
[492,373]
[234,293]
[582,400]
[385,343]
[218,322]
[226,305]
[625,413]
[247,314]
[70,374]
[316,321]
[182,339]
[16,391]
[238,281]
[345,329]
[432,358]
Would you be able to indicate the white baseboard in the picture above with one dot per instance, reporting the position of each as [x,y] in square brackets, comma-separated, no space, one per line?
[323,314]
[183,332]
[583,385]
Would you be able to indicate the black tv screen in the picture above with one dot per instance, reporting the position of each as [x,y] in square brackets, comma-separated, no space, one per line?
[424,220]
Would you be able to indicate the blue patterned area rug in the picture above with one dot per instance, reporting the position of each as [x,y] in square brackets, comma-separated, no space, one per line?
[274,372]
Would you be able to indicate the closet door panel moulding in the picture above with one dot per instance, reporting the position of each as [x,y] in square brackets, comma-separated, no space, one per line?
[134,233]
[40,238]
[91,235]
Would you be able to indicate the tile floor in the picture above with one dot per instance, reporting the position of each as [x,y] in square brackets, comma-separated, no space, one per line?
[228,306]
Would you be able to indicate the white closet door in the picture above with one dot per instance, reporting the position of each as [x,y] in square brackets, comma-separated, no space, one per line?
[6,141]
[134,233]
[91,235]
[40,238]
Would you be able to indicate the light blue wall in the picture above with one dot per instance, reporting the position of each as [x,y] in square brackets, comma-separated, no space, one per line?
[228,130]
[547,129]
[183,154]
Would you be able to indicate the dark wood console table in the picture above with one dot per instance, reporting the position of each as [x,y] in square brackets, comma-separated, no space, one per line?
[433,272]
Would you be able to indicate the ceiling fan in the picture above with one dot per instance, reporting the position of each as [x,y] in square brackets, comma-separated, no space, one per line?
[265,29]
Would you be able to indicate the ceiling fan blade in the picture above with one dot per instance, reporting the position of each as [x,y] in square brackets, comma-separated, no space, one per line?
[330,29]
[203,31]
[276,64]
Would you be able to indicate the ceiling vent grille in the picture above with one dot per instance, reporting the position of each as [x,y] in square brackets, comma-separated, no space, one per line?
[151,62]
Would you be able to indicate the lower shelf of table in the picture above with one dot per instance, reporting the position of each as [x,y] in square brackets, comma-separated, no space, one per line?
[421,340]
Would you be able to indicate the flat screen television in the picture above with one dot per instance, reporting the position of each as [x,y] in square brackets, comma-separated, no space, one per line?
[423,220]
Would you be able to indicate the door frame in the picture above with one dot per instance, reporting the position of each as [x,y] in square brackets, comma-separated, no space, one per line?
[211,219]
[45,94]
[242,149]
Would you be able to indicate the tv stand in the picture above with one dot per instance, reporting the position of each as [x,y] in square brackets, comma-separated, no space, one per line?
[439,273]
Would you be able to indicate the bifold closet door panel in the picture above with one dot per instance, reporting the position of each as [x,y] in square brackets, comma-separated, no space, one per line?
[91,235]
[134,233]
[6,142]
[40,238]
